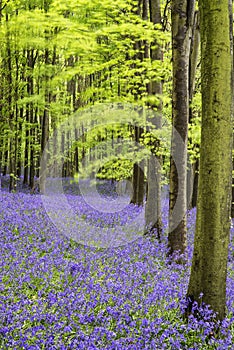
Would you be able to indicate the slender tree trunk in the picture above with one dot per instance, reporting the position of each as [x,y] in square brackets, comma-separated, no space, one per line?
[209,265]
[26,149]
[12,136]
[62,153]
[45,126]
[181,16]
[68,154]
[76,155]
[195,183]
[31,61]
[138,173]
[21,118]
[1,8]
[193,57]
[27,135]
[138,167]
[193,60]
[18,150]
[45,118]
[153,215]
[5,156]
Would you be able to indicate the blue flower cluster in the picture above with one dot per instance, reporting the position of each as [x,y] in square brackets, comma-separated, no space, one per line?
[58,294]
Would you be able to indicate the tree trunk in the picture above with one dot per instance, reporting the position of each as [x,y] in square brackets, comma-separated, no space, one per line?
[138,174]
[20,142]
[76,155]
[5,156]
[138,167]
[45,126]
[10,113]
[26,150]
[194,53]
[195,183]
[181,15]
[232,82]
[209,265]
[30,88]
[138,184]
[21,118]
[153,215]
[62,154]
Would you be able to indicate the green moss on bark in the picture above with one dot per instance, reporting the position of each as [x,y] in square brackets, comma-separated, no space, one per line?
[208,275]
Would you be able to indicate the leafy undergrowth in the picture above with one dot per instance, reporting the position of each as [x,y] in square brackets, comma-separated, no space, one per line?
[58,294]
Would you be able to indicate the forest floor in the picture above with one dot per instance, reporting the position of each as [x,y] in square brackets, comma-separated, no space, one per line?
[58,292]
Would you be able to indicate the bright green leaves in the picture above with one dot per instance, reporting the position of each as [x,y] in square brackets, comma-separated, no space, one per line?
[116,169]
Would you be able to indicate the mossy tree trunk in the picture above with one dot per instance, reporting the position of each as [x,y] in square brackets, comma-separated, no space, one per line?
[209,265]
[231,39]
[182,14]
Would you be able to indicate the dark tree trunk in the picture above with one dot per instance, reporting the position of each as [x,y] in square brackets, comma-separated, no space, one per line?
[195,183]
[26,150]
[138,167]
[76,155]
[138,173]
[5,157]
[182,15]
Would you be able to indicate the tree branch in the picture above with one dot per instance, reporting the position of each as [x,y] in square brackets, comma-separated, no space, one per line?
[2,8]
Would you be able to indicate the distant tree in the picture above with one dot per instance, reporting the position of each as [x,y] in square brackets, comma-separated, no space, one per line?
[209,265]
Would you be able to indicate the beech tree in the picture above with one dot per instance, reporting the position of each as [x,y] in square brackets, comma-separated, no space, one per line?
[153,216]
[182,14]
[209,265]
[231,38]
[193,63]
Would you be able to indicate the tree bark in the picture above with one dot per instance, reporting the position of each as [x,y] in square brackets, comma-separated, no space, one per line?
[30,88]
[209,265]
[232,82]
[45,127]
[138,167]
[10,112]
[194,53]
[181,15]
[138,173]
[195,183]
[153,215]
